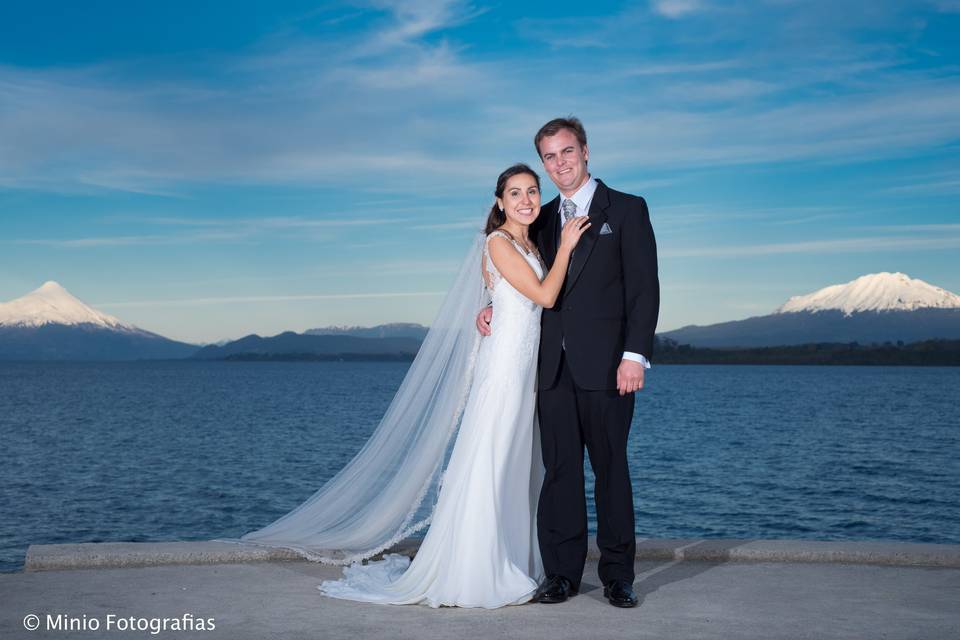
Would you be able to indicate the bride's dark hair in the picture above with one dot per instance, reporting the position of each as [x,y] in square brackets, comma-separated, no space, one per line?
[497,217]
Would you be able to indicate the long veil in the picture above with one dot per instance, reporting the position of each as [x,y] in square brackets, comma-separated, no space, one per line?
[389,489]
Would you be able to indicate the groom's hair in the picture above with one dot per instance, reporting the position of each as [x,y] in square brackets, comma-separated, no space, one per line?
[554,126]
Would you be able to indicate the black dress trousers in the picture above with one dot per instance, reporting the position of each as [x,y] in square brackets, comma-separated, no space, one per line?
[571,418]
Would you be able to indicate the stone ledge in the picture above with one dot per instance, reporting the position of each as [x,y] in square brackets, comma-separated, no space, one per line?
[835,551]
[56,557]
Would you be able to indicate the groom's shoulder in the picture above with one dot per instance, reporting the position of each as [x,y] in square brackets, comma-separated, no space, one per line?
[623,199]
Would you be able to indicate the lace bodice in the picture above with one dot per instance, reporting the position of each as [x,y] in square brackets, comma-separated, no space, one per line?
[493,275]
[515,328]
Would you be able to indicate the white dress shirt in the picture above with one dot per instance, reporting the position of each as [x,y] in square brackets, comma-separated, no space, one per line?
[582,199]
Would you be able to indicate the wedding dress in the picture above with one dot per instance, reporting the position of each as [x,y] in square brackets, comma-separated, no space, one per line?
[481,548]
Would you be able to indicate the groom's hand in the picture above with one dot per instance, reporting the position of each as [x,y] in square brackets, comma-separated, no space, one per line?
[629,376]
[483,321]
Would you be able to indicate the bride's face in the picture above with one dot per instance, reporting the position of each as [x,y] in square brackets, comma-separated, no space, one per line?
[521,199]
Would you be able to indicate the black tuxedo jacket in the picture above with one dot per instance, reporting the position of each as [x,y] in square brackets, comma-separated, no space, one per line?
[611,298]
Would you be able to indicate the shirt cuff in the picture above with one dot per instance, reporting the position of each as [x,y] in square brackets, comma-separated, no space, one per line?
[636,357]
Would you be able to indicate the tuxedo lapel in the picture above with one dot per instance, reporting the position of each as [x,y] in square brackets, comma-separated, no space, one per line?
[551,230]
[597,215]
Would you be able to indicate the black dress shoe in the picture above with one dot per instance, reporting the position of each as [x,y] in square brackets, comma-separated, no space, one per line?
[620,594]
[554,589]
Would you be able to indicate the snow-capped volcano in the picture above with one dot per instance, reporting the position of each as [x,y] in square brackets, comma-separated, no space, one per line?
[50,324]
[52,304]
[875,308]
[874,292]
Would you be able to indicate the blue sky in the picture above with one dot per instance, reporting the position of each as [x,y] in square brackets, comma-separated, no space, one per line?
[209,169]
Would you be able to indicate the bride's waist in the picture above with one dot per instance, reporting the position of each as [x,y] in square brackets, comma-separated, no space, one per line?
[515,319]
[512,337]
[514,302]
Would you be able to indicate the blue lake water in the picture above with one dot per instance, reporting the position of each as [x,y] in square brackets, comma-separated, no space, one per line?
[198,450]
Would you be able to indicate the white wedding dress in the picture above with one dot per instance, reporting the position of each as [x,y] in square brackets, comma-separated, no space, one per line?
[481,548]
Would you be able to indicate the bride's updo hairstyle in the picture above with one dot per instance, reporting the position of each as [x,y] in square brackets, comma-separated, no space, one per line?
[497,217]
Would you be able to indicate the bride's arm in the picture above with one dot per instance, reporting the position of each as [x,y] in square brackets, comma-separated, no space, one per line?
[520,274]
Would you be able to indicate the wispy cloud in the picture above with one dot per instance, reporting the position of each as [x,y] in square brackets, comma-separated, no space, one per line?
[889,123]
[261,299]
[214,230]
[306,110]
[904,228]
[947,6]
[943,182]
[412,19]
[943,186]
[464,223]
[290,114]
[677,8]
[265,223]
[364,270]
[140,240]
[685,215]
[847,245]
[719,91]
[681,68]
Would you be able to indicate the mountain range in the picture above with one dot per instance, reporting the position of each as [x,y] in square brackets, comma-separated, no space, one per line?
[393,330]
[301,346]
[875,308]
[51,324]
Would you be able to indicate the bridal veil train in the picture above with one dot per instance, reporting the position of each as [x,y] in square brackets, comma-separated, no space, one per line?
[481,547]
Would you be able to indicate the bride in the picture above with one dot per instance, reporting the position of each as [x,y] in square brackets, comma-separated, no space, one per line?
[481,546]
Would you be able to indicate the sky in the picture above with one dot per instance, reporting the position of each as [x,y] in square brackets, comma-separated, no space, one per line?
[207,170]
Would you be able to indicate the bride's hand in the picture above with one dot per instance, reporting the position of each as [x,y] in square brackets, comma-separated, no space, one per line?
[572,230]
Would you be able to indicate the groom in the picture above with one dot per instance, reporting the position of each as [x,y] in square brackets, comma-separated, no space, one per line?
[594,347]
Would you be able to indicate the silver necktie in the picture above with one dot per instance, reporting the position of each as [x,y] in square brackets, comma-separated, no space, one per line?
[568,209]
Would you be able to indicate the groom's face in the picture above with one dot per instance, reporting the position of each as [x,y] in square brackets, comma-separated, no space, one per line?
[565,160]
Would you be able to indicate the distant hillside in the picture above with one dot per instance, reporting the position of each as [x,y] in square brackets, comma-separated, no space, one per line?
[53,342]
[805,327]
[942,353]
[296,346]
[393,330]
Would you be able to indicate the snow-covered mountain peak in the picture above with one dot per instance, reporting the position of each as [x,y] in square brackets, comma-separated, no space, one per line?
[52,304]
[875,292]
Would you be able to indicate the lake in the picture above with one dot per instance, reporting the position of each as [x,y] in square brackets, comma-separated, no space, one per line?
[146,451]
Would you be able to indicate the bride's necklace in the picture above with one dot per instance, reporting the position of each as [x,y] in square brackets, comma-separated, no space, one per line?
[520,241]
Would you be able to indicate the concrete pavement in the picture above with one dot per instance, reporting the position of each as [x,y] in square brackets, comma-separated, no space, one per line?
[703,589]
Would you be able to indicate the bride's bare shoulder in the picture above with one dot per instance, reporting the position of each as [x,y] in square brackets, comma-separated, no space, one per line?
[499,233]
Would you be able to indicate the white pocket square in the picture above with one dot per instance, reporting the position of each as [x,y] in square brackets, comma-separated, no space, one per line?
[605,229]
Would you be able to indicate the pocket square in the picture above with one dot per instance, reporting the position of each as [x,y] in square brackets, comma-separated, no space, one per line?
[605,229]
